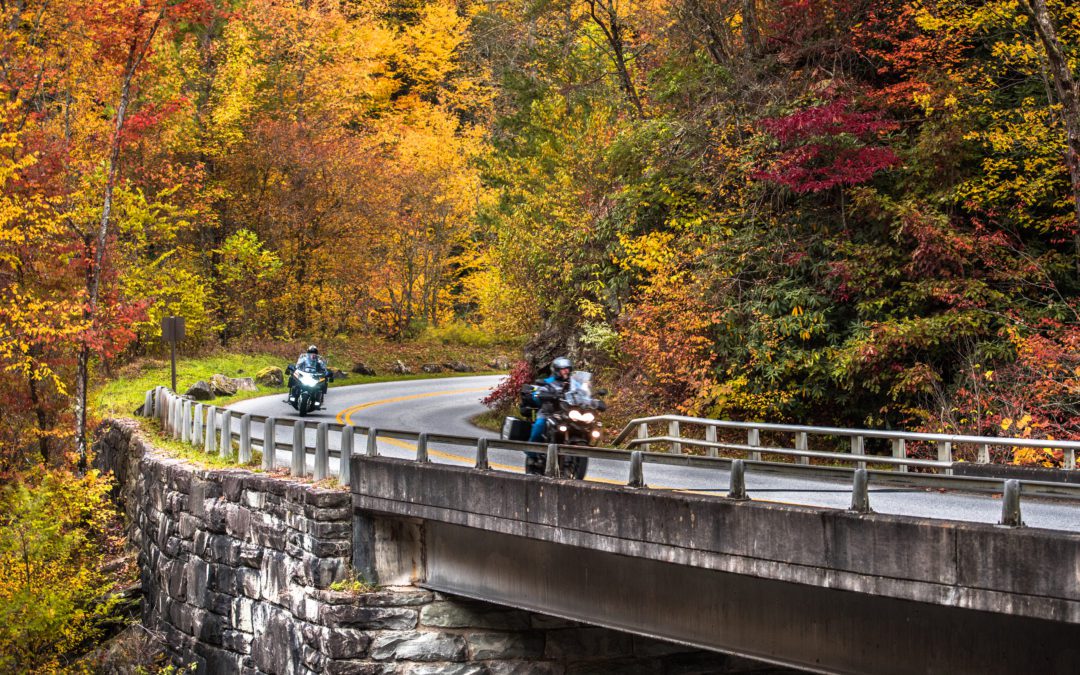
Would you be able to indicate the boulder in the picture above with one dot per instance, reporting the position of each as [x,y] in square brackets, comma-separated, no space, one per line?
[200,391]
[400,368]
[499,363]
[458,367]
[338,374]
[431,368]
[270,376]
[227,386]
[361,368]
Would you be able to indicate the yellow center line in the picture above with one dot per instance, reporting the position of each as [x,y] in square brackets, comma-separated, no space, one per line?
[345,416]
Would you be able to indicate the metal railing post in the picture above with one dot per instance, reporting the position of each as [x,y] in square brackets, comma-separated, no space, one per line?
[175,413]
[148,404]
[225,444]
[637,472]
[673,430]
[269,443]
[373,442]
[643,432]
[185,423]
[753,437]
[860,492]
[348,435]
[210,435]
[1070,459]
[245,438]
[899,451]
[322,452]
[482,462]
[421,448]
[944,454]
[802,443]
[710,437]
[551,467]
[737,488]
[984,453]
[299,452]
[858,449]
[1010,505]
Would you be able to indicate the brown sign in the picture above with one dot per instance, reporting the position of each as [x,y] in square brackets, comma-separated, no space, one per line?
[172,328]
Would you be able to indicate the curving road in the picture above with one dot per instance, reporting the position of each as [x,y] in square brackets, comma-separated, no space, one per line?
[445,405]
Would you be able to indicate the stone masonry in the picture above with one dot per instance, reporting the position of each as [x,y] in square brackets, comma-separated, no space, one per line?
[237,566]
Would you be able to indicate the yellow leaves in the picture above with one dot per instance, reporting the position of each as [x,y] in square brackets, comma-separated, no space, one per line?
[650,253]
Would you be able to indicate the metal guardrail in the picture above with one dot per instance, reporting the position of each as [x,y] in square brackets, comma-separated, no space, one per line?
[944,443]
[212,428]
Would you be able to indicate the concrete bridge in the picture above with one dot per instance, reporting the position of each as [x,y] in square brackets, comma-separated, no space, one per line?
[825,590]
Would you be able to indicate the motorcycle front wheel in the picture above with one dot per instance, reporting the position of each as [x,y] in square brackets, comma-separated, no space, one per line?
[304,404]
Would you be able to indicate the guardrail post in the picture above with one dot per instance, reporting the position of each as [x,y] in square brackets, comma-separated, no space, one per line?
[737,489]
[1010,505]
[197,425]
[175,415]
[225,444]
[185,424]
[245,438]
[482,455]
[802,443]
[421,448]
[673,430]
[373,442]
[322,452]
[210,435]
[1070,459]
[858,449]
[944,454]
[899,451]
[551,467]
[984,453]
[637,471]
[148,404]
[710,437]
[753,437]
[348,434]
[298,464]
[860,493]
[268,443]
[643,432]
[161,406]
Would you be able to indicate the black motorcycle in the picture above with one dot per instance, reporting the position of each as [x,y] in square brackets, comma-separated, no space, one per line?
[573,422]
[306,388]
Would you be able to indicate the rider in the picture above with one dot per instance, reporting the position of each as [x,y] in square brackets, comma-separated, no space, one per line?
[310,362]
[548,395]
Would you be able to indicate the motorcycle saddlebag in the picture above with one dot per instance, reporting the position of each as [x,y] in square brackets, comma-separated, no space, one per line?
[515,429]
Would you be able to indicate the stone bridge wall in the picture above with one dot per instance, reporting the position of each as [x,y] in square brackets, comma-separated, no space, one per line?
[236,569]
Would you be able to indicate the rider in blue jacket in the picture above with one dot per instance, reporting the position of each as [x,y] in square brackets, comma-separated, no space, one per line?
[547,396]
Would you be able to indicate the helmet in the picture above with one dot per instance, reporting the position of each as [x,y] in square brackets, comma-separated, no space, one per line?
[312,350]
[560,363]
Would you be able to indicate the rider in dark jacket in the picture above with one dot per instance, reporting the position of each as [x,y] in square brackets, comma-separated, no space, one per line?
[310,362]
[548,395]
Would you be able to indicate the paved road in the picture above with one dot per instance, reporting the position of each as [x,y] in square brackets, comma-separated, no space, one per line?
[445,406]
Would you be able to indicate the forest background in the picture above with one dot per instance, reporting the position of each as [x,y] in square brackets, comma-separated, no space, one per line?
[842,212]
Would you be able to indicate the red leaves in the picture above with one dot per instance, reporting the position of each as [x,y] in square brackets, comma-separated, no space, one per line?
[507,391]
[826,146]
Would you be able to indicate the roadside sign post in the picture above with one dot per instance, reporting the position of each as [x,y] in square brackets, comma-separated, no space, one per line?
[172,330]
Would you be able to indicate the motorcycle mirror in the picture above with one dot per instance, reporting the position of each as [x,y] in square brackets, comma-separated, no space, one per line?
[289,370]
[601,392]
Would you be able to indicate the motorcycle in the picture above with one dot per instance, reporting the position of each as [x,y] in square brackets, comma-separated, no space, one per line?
[573,422]
[306,389]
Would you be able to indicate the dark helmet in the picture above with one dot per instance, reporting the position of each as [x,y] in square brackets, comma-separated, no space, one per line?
[560,363]
[312,350]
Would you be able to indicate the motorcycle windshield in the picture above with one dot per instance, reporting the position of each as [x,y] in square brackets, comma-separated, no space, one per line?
[580,391]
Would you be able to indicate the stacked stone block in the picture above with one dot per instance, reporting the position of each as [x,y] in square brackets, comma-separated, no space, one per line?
[236,572]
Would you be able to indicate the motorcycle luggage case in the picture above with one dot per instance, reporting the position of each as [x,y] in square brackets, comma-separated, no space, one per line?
[516,429]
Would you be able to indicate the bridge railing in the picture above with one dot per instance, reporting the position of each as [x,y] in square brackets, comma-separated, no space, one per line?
[223,431]
[636,434]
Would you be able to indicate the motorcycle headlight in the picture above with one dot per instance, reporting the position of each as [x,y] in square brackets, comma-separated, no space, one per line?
[596,434]
[579,416]
[562,428]
[306,379]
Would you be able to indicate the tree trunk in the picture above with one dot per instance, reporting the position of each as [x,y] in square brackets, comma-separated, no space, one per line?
[136,52]
[614,33]
[750,25]
[1069,96]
